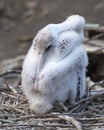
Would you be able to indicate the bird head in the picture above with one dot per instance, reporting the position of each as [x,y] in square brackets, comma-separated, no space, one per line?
[43,43]
[44,40]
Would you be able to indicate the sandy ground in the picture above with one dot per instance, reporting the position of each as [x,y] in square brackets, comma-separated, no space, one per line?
[21,19]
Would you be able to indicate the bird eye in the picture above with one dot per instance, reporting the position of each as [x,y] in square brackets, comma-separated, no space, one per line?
[49,47]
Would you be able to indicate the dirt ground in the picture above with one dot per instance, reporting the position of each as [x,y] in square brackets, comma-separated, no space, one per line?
[21,19]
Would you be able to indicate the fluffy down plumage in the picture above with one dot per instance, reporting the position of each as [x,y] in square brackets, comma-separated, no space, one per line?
[55,66]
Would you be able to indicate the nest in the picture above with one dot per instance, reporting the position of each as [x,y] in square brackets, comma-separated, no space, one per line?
[87,114]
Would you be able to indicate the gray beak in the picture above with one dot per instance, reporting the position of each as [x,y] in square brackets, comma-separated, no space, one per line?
[41,61]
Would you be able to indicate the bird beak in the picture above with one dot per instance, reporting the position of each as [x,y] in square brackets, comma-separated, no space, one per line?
[41,61]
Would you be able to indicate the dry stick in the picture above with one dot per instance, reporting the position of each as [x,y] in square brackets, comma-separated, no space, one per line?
[95,37]
[2,89]
[5,116]
[14,97]
[95,43]
[12,108]
[40,116]
[97,115]
[36,125]
[91,119]
[20,103]
[98,83]
[99,93]
[99,49]
[63,106]
[36,116]
[3,73]
[75,108]
[83,106]
[96,124]
[90,87]
[84,100]
[50,125]
[94,109]
[10,89]
[79,102]
[94,27]
[5,121]
[71,120]
[45,119]
[51,115]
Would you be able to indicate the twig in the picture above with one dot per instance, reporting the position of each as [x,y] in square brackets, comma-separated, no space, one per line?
[3,73]
[93,27]
[80,102]
[63,106]
[7,115]
[71,120]
[13,108]
[94,37]
[96,94]
[98,83]
[51,115]
[91,119]
[96,124]
[93,85]
[10,89]
[75,108]
[2,89]
[48,125]
[14,97]
[36,125]
[5,121]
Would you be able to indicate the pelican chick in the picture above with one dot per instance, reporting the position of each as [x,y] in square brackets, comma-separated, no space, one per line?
[54,64]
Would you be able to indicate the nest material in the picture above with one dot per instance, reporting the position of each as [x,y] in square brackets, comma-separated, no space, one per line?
[87,114]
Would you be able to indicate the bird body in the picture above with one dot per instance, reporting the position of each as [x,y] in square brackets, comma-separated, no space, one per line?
[55,66]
